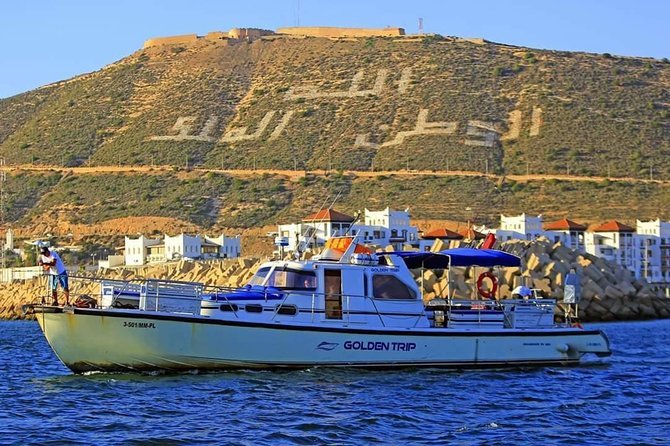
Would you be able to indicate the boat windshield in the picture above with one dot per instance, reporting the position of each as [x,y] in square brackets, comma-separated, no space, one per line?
[292,279]
[260,276]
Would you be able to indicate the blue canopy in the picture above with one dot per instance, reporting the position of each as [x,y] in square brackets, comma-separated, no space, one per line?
[458,257]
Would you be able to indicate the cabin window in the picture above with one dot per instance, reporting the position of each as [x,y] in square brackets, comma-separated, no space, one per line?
[290,310]
[292,279]
[253,308]
[390,287]
[228,307]
[260,276]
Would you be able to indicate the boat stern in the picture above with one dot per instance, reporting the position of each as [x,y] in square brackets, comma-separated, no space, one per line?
[590,341]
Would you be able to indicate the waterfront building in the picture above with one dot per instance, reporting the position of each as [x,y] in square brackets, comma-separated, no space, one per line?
[613,241]
[314,230]
[653,251]
[143,250]
[381,228]
[388,227]
[521,227]
[568,232]
[136,251]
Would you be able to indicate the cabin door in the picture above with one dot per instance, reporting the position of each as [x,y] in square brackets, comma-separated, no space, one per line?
[333,293]
[354,305]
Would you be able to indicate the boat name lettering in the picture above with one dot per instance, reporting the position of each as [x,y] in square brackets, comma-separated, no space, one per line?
[139,324]
[384,270]
[537,344]
[380,346]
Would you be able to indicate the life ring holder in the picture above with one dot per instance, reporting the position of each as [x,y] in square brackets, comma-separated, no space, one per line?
[487,294]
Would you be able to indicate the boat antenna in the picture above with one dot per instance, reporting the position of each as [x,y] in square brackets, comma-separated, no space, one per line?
[357,217]
[313,234]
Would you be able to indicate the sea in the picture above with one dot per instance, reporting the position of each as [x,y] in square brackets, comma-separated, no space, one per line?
[620,400]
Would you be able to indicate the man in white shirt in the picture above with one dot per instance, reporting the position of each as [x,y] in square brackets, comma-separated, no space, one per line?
[54,266]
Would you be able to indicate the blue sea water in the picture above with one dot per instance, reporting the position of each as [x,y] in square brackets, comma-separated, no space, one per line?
[621,400]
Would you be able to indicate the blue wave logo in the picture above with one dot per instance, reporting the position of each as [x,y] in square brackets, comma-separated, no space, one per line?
[327,346]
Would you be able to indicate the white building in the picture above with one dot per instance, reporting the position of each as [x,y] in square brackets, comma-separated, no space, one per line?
[613,241]
[382,228]
[653,248]
[222,247]
[521,227]
[144,250]
[314,230]
[182,246]
[568,232]
[137,250]
[388,227]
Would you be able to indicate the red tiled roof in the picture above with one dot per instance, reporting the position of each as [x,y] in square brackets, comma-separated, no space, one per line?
[442,233]
[564,225]
[329,215]
[471,234]
[613,226]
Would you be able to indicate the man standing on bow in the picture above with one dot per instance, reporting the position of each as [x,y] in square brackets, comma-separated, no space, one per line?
[53,264]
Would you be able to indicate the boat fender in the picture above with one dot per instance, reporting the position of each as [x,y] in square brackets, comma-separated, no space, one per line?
[487,294]
[563,348]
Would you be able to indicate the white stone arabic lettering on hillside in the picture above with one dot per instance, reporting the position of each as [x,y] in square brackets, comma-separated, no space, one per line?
[183,128]
[240,133]
[478,133]
[422,127]
[536,121]
[309,92]
[514,119]
[405,78]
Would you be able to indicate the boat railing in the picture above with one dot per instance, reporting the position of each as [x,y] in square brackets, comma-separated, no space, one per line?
[136,293]
[511,313]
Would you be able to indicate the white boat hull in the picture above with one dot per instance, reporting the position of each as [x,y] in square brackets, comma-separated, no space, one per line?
[101,340]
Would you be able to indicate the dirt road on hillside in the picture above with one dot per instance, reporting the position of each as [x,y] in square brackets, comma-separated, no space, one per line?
[295,174]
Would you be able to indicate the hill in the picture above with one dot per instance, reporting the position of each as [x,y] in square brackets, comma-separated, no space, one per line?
[215,200]
[358,104]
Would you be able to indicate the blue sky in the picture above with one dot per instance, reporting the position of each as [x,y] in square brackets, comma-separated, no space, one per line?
[45,41]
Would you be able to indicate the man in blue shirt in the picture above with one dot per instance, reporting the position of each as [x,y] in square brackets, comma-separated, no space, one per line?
[54,266]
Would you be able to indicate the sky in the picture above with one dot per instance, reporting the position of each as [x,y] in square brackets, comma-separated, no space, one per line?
[45,41]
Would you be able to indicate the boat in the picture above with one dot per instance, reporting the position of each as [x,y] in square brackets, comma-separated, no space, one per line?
[347,307]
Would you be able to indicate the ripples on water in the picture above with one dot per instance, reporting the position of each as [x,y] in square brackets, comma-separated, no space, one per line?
[618,400]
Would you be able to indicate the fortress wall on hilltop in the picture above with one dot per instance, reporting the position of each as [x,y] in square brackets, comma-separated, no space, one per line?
[171,40]
[249,33]
[234,33]
[216,35]
[325,31]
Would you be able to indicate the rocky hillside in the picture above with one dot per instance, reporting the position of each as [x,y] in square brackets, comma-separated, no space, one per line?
[376,103]
[355,104]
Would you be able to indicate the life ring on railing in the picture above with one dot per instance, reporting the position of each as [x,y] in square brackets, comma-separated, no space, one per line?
[487,294]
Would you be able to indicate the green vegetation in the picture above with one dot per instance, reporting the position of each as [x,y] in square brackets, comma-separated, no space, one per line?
[599,107]
[215,200]
[24,190]
[597,115]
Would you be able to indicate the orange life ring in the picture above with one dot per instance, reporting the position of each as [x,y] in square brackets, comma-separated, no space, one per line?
[487,294]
